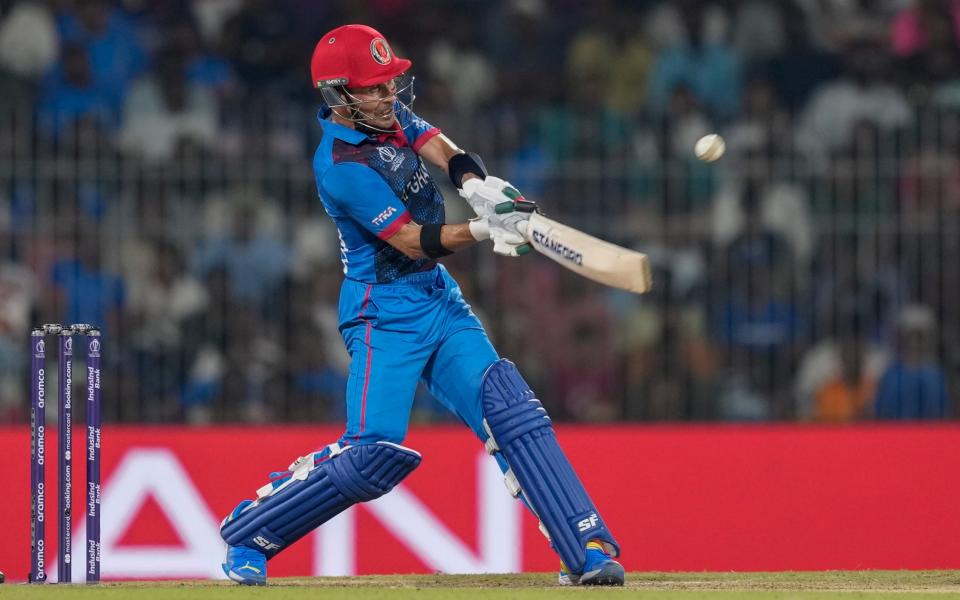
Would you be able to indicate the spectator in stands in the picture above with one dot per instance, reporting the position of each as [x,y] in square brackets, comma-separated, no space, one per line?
[165,313]
[459,71]
[910,32]
[70,96]
[318,388]
[263,44]
[875,219]
[764,120]
[203,65]
[18,293]
[692,187]
[845,397]
[933,70]
[117,56]
[607,54]
[85,289]
[930,182]
[527,161]
[758,30]
[525,43]
[584,125]
[239,372]
[165,111]
[704,62]
[256,259]
[783,206]
[586,374]
[838,376]
[29,46]
[670,367]
[802,65]
[863,94]
[914,385]
[858,275]
[756,315]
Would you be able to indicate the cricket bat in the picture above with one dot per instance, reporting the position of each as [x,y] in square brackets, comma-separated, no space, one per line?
[588,256]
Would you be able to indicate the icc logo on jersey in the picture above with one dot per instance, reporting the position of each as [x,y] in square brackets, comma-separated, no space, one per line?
[389,155]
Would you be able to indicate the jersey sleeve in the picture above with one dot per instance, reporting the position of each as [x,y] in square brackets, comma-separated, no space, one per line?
[417,131]
[357,191]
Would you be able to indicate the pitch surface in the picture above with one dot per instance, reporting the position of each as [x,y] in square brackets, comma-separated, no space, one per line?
[845,585]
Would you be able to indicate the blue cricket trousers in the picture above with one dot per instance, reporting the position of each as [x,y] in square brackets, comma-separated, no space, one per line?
[397,334]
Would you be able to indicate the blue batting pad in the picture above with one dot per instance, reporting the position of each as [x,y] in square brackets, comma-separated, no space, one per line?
[310,497]
[523,434]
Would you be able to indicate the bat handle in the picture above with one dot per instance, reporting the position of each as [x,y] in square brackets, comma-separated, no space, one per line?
[522,228]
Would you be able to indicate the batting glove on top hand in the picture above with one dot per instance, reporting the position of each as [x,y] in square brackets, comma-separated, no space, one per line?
[485,196]
[502,214]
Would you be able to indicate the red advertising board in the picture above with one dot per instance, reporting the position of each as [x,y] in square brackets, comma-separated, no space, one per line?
[695,498]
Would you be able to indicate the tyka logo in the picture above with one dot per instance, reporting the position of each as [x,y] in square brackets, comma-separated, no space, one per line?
[382,217]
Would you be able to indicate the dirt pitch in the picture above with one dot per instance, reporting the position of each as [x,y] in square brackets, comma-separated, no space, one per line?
[664,586]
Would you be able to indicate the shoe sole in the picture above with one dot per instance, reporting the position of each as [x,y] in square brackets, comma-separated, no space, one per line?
[609,574]
[237,578]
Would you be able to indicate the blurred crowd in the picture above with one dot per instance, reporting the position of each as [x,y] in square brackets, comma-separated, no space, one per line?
[155,179]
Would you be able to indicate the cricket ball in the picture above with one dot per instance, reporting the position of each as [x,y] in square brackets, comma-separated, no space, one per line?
[710,147]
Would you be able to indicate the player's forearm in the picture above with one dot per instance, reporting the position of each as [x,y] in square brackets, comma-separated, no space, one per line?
[409,239]
[456,237]
[439,150]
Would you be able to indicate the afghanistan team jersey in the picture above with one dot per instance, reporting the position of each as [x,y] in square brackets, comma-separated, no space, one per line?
[371,185]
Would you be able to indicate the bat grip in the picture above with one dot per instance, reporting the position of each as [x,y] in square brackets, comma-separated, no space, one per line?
[522,228]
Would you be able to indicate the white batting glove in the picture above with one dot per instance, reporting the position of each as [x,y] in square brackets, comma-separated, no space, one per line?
[507,245]
[505,242]
[483,194]
[491,195]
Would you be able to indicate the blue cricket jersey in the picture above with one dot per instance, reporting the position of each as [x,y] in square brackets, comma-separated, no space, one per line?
[371,185]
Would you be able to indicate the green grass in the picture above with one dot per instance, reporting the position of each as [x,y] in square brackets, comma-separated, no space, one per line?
[845,585]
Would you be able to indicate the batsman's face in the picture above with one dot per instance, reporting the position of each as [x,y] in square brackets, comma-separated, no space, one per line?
[376,103]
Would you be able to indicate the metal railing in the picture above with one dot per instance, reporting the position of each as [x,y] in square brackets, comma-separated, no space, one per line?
[786,276]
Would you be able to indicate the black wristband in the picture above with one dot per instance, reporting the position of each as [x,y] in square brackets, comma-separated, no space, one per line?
[463,163]
[430,241]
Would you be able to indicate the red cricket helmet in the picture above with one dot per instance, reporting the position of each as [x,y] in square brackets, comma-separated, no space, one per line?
[355,56]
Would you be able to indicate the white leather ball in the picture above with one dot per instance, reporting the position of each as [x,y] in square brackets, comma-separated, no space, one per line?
[710,147]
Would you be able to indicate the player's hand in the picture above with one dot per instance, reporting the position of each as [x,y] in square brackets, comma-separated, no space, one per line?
[505,242]
[491,195]
[507,245]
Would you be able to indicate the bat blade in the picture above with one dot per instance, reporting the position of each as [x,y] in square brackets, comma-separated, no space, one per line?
[588,256]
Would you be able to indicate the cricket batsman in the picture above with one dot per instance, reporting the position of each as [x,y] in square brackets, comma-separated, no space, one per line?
[404,320]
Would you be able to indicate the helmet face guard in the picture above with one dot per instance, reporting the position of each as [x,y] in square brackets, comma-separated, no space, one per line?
[336,95]
[358,56]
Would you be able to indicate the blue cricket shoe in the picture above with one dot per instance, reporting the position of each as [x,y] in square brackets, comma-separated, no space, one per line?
[598,569]
[245,565]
